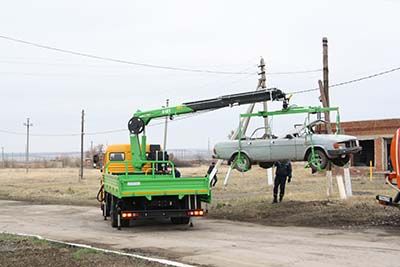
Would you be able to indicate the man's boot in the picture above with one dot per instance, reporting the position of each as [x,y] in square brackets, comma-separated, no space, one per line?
[280,198]
[275,199]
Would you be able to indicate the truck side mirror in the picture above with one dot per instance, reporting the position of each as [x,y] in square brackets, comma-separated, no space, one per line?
[96,158]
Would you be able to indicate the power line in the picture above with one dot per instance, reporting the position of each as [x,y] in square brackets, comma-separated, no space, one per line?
[199,113]
[147,65]
[101,132]
[350,81]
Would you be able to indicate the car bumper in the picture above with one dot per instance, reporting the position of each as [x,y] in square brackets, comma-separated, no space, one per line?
[334,153]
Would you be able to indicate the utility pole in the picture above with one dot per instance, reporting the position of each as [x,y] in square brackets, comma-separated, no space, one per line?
[166,127]
[27,125]
[324,86]
[82,135]
[246,121]
[261,85]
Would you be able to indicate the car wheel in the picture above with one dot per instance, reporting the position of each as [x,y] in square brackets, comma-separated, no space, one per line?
[321,160]
[341,161]
[266,165]
[241,162]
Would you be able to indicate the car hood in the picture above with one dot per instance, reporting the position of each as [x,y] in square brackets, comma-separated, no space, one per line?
[334,137]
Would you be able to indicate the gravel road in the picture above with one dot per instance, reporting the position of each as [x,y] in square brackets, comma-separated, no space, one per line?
[209,242]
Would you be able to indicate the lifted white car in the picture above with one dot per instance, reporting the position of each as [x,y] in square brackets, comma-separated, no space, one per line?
[295,146]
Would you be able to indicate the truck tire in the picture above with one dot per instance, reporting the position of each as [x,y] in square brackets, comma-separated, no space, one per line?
[180,220]
[107,204]
[113,211]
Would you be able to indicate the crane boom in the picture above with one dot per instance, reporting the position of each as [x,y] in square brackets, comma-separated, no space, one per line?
[140,119]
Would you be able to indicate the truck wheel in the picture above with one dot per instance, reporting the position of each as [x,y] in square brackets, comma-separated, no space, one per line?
[180,220]
[341,161]
[125,223]
[108,204]
[321,160]
[113,212]
[241,162]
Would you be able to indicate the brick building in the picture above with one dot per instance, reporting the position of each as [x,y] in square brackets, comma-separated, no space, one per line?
[375,138]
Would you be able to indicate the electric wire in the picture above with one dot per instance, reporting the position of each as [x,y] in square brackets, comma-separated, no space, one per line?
[350,81]
[140,64]
[101,132]
[199,113]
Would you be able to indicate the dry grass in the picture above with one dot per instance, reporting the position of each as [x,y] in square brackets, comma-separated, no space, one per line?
[247,197]
[17,251]
[56,186]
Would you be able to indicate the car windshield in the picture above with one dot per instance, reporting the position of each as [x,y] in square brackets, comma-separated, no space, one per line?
[301,130]
[260,133]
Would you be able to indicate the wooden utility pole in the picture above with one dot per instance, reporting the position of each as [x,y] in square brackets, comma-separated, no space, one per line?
[324,86]
[82,135]
[27,125]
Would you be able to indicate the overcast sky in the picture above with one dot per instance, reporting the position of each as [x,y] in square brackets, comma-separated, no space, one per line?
[51,88]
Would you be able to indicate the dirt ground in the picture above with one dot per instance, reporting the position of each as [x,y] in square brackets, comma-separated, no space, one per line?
[210,242]
[16,251]
[246,198]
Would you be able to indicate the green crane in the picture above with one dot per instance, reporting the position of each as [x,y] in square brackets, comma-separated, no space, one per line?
[141,119]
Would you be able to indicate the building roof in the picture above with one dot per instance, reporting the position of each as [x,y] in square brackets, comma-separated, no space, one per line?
[371,127]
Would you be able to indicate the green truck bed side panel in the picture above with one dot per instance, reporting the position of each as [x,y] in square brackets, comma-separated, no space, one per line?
[159,185]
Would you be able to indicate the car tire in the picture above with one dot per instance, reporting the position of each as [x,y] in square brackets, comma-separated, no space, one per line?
[341,161]
[241,162]
[321,157]
[266,165]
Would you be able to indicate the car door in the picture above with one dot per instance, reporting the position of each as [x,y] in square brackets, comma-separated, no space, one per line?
[283,148]
[257,149]
[301,147]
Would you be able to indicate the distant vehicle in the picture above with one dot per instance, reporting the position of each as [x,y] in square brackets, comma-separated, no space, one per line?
[296,146]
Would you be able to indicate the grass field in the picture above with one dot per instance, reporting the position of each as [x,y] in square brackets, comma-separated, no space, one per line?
[18,251]
[247,197]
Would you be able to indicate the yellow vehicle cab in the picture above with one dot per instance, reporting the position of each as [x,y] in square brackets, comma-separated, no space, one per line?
[118,159]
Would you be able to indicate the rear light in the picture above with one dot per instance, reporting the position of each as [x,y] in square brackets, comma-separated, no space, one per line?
[195,213]
[129,215]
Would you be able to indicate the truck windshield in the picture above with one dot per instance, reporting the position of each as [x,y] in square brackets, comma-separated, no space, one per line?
[117,156]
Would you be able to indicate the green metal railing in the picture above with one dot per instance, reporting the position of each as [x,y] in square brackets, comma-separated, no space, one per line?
[153,163]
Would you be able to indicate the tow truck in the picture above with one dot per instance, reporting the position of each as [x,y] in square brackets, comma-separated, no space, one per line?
[139,181]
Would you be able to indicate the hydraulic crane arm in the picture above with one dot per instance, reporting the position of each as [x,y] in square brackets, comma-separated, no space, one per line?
[142,118]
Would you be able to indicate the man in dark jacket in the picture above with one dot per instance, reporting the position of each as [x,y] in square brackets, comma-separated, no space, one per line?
[283,172]
[214,179]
